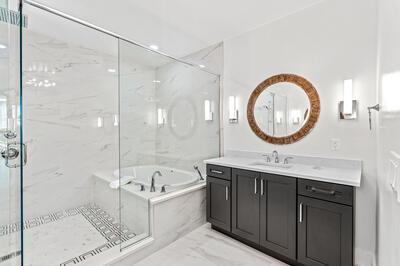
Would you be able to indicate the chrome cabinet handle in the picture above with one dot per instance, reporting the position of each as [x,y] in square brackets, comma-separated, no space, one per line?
[216,172]
[301,212]
[262,187]
[255,185]
[323,191]
[226,193]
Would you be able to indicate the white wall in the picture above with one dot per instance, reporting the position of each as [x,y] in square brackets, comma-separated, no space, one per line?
[389,130]
[326,44]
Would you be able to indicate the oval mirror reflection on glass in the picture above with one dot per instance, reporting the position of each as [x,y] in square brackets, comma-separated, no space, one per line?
[283,109]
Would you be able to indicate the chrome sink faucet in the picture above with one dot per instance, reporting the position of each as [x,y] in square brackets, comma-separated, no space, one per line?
[267,158]
[152,187]
[275,155]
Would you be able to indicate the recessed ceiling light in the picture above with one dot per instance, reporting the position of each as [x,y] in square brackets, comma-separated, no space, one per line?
[202,66]
[112,70]
[3,46]
[153,47]
[156,81]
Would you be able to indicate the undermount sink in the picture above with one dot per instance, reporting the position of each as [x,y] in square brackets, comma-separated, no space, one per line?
[276,165]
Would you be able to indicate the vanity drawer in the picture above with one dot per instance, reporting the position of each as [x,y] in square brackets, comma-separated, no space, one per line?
[219,171]
[327,191]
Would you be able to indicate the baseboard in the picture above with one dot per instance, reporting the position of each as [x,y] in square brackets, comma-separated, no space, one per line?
[364,258]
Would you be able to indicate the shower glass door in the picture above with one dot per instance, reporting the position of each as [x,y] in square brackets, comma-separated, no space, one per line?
[11,149]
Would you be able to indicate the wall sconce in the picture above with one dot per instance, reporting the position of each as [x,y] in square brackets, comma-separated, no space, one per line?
[208,113]
[279,117]
[233,111]
[116,121]
[100,122]
[348,107]
[161,116]
[295,115]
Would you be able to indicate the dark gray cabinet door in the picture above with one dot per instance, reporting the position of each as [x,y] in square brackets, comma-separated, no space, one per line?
[219,203]
[278,214]
[245,204]
[325,233]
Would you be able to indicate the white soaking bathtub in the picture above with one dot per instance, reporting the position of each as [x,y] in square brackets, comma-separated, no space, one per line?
[157,218]
[171,178]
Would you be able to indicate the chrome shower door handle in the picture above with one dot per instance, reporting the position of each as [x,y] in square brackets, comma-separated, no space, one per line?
[12,151]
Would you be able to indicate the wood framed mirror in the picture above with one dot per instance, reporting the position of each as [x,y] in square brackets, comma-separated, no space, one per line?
[283,109]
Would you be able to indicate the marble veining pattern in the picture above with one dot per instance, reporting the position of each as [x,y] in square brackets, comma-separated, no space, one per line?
[207,247]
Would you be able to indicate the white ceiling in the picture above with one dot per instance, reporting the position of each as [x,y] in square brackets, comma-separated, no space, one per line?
[178,27]
[212,21]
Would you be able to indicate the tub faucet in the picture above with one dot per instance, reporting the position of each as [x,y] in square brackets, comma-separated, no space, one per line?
[152,187]
[163,188]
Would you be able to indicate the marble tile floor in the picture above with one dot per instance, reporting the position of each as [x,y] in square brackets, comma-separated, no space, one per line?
[68,237]
[207,247]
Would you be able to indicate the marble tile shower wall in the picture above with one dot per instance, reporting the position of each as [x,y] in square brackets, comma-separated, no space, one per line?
[70,125]
[186,139]
[70,100]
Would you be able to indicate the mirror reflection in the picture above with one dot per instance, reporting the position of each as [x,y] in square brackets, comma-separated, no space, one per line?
[282,109]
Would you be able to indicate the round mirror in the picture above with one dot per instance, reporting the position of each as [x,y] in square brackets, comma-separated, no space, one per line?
[283,109]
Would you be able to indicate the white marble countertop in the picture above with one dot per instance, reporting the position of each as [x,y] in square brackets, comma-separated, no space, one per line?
[339,171]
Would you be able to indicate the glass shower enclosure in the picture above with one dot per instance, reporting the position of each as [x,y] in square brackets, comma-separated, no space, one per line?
[105,126]
[10,134]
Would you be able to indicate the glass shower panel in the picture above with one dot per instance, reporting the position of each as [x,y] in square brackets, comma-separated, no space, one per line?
[138,125]
[70,75]
[10,138]
[169,123]
[191,133]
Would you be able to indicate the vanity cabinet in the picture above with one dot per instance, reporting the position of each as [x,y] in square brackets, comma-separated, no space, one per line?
[264,210]
[299,221]
[278,214]
[219,197]
[246,204]
[325,224]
